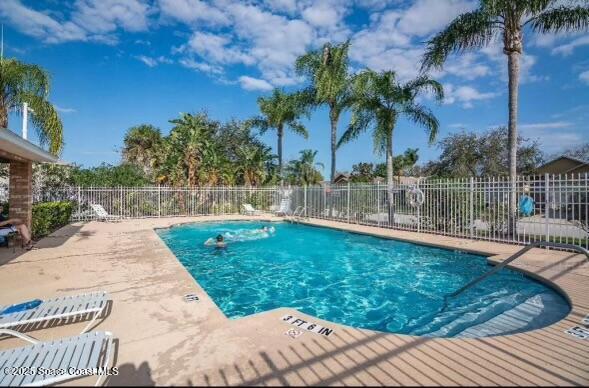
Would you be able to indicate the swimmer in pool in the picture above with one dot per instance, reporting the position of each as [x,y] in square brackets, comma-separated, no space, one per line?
[218,242]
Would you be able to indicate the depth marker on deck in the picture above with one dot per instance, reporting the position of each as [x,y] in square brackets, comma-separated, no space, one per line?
[578,332]
[308,326]
[191,298]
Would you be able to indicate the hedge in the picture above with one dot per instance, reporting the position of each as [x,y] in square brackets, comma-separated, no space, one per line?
[50,216]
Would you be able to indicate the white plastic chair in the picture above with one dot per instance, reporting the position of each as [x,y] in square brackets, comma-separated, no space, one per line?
[102,214]
[249,210]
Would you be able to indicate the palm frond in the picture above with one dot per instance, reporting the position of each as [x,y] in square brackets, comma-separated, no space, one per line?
[47,122]
[561,19]
[258,122]
[299,129]
[424,117]
[468,31]
[424,83]
[359,123]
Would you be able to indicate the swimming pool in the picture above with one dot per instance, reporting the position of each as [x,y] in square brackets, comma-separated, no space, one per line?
[360,281]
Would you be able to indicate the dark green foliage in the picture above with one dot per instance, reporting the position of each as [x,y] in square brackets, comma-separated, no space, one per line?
[50,216]
[402,165]
[486,154]
[106,175]
[304,171]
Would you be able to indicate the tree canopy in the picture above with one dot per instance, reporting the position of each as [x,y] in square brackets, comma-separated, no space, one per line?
[467,154]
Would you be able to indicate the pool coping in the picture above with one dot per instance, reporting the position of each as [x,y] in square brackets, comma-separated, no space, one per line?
[166,341]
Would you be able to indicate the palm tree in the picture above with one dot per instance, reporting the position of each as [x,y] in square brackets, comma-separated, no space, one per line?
[142,147]
[380,100]
[507,20]
[22,82]
[281,110]
[186,148]
[330,85]
[252,163]
[303,171]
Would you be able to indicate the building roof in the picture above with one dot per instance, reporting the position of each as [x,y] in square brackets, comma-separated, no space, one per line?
[574,164]
[15,148]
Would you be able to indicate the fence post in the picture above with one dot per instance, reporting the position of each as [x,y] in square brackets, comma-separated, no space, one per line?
[419,209]
[305,199]
[79,204]
[121,201]
[546,207]
[159,201]
[348,211]
[378,203]
[471,207]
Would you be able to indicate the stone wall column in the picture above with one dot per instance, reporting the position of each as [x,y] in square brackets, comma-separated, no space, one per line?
[20,188]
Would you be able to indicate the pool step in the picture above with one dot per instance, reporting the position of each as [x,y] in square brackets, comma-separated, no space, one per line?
[534,313]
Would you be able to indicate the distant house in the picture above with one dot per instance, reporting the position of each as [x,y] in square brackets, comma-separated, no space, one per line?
[564,165]
[341,177]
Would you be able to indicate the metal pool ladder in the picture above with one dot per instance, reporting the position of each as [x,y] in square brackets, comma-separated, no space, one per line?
[297,213]
[513,257]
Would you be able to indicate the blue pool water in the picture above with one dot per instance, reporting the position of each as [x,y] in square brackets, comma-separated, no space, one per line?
[356,280]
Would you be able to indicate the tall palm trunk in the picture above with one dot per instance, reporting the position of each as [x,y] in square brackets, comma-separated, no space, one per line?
[389,162]
[280,131]
[513,49]
[333,118]
[3,116]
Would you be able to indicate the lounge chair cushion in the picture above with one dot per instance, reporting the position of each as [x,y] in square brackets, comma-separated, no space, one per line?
[15,308]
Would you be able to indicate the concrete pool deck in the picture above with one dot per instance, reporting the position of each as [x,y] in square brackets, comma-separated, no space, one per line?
[164,340]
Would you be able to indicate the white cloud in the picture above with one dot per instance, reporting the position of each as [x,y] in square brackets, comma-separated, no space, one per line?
[427,16]
[193,11]
[323,15]
[568,48]
[64,110]
[201,66]
[103,16]
[553,136]
[584,76]
[216,48]
[90,20]
[394,38]
[465,94]
[250,83]
[153,61]
[546,125]
[40,25]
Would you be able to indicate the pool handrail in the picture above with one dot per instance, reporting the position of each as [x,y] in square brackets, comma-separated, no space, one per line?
[516,255]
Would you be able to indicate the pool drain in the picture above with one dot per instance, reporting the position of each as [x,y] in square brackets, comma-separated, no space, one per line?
[293,333]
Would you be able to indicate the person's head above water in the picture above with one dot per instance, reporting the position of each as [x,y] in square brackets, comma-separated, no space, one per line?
[220,238]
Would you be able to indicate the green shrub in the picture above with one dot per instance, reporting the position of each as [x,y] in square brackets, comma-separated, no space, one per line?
[50,216]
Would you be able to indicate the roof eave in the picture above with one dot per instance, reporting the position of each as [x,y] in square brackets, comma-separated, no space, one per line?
[23,149]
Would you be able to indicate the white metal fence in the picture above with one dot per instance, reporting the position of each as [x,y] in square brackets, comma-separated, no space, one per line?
[476,208]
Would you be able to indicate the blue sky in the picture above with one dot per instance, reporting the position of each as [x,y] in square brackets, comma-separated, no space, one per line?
[119,63]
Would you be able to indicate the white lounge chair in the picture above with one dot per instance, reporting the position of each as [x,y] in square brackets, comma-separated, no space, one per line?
[249,210]
[89,351]
[284,208]
[102,214]
[91,304]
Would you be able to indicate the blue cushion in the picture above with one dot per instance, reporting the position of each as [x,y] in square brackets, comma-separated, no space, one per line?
[16,308]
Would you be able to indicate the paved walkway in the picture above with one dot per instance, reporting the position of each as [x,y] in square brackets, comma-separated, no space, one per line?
[165,340]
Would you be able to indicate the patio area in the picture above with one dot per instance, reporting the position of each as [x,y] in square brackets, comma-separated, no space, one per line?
[164,340]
